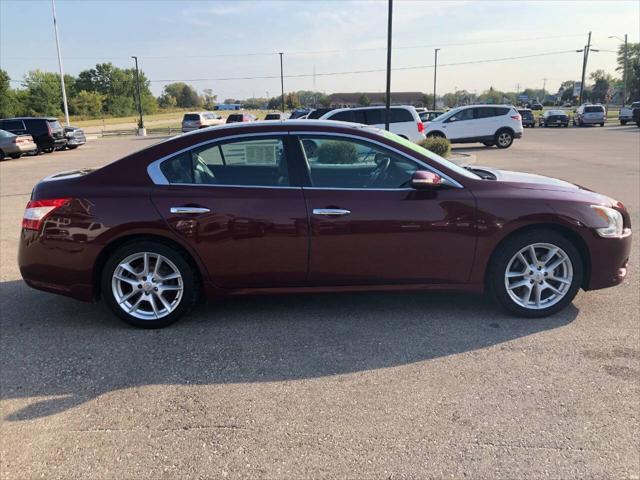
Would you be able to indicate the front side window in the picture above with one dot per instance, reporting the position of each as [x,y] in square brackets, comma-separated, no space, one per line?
[249,163]
[336,162]
[466,114]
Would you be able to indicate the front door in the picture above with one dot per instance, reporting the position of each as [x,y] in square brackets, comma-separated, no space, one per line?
[235,203]
[369,227]
[461,125]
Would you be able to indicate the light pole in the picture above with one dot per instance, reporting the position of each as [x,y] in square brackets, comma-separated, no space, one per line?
[64,90]
[435,76]
[624,72]
[387,109]
[141,130]
[281,81]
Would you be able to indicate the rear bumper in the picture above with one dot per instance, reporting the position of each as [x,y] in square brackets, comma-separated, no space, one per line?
[517,134]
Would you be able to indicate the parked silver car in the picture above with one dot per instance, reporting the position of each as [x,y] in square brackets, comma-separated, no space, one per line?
[75,137]
[590,115]
[15,146]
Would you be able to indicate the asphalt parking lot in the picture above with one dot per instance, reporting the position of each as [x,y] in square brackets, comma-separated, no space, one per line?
[374,385]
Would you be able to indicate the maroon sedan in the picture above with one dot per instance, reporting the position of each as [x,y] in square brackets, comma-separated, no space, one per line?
[302,206]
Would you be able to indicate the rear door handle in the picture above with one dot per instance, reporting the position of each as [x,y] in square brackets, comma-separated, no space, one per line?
[187,210]
[331,212]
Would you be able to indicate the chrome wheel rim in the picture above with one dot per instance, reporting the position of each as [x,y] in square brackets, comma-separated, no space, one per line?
[147,285]
[504,139]
[538,276]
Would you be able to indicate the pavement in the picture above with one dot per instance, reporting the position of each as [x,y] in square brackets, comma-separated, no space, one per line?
[368,385]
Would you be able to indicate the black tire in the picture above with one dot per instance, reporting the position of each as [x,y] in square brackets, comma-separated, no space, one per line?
[533,125]
[488,144]
[602,124]
[502,257]
[48,150]
[15,156]
[72,147]
[189,282]
[623,122]
[500,141]
[1,155]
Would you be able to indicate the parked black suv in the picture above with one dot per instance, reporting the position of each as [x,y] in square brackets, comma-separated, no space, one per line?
[46,131]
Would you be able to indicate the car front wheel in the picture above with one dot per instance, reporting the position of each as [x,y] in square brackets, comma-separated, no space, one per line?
[148,284]
[623,122]
[504,139]
[536,274]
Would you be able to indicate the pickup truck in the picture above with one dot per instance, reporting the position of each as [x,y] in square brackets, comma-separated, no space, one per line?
[626,113]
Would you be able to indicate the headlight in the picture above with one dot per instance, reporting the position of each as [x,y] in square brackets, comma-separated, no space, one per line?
[614,220]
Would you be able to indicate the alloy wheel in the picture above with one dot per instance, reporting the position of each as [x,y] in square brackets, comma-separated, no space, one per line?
[147,285]
[538,276]
[504,139]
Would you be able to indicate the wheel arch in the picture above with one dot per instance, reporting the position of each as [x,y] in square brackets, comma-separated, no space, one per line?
[566,232]
[502,129]
[118,242]
[436,133]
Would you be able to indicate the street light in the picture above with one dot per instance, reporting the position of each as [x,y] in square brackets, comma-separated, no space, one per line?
[624,71]
[435,74]
[387,102]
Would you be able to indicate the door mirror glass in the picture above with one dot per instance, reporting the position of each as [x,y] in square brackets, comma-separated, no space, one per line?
[424,180]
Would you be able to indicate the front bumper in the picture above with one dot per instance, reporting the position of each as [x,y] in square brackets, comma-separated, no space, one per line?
[76,141]
[609,258]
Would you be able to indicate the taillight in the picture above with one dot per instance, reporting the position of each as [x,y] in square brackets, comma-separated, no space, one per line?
[516,117]
[38,210]
[420,127]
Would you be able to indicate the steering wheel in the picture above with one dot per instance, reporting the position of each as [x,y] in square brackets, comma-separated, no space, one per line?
[379,172]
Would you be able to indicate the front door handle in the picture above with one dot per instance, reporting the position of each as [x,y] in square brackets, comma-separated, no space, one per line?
[331,212]
[182,210]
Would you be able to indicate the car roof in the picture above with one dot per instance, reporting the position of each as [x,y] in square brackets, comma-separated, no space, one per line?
[49,119]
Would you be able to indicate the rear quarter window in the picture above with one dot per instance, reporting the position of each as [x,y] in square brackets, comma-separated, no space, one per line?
[398,115]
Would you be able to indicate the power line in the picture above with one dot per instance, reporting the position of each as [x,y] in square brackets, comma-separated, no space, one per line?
[312,52]
[357,72]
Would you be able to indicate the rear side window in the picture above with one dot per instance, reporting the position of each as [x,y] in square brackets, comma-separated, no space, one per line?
[485,112]
[354,116]
[54,124]
[499,111]
[12,125]
[398,115]
[594,109]
[375,116]
[250,163]
[234,118]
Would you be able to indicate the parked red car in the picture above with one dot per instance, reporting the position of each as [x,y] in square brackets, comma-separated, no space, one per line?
[313,206]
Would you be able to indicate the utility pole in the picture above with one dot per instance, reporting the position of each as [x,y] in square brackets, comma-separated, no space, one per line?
[544,88]
[585,57]
[64,91]
[435,75]
[281,81]
[141,130]
[387,110]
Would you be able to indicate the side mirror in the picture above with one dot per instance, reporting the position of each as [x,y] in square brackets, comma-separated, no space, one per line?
[425,180]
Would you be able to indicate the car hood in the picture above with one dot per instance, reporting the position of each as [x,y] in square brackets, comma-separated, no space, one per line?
[540,182]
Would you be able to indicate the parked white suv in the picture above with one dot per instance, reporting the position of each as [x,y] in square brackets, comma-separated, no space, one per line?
[196,120]
[488,124]
[403,120]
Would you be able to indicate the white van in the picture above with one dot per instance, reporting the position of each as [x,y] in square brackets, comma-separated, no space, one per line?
[403,120]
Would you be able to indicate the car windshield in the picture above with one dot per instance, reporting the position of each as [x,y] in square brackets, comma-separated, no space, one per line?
[430,155]
[556,112]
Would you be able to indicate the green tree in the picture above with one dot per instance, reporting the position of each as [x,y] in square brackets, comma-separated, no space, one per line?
[44,96]
[87,104]
[364,100]
[292,100]
[185,96]
[8,100]
[633,69]
[209,99]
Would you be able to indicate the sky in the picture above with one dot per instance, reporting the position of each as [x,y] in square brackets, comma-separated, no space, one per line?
[213,44]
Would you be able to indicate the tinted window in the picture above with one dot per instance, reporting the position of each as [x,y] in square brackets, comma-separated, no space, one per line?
[252,163]
[398,115]
[594,109]
[344,116]
[54,124]
[485,112]
[234,117]
[499,111]
[341,163]
[190,117]
[375,116]
[317,113]
[272,116]
[12,125]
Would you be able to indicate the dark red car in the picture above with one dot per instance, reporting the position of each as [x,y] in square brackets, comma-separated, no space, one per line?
[305,206]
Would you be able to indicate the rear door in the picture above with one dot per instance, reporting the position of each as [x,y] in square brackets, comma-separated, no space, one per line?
[369,227]
[235,202]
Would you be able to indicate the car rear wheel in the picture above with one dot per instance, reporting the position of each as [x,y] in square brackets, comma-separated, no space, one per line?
[623,122]
[504,139]
[148,284]
[536,274]
[72,147]
[1,155]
